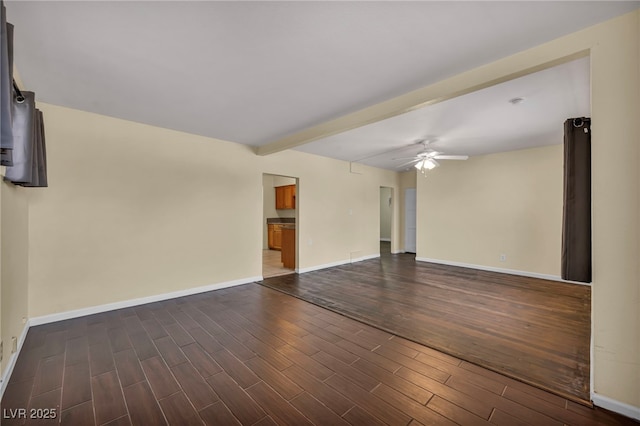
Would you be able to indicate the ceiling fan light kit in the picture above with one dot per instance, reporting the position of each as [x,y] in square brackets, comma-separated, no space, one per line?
[426,164]
[426,159]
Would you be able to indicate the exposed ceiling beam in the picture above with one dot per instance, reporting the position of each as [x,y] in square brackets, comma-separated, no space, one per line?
[461,84]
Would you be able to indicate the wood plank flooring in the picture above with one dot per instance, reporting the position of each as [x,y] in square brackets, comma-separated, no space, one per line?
[254,356]
[534,330]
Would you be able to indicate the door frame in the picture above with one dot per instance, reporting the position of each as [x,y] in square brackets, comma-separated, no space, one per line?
[297,218]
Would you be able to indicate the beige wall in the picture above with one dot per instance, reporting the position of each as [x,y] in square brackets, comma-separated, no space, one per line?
[14,226]
[132,211]
[338,206]
[614,49]
[129,210]
[509,203]
[135,211]
[615,97]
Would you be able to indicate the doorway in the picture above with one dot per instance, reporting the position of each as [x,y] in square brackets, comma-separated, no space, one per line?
[410,220]
[279,225]
[386,210]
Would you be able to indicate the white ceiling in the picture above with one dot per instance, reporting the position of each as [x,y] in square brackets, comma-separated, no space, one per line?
[254,72]
[478,123]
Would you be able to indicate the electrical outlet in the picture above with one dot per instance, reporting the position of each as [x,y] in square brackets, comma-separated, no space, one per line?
[503,257]
[14,345]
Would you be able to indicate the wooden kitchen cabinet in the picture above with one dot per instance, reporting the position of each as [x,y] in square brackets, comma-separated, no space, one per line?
[285,197]
[275,236]
[289,247]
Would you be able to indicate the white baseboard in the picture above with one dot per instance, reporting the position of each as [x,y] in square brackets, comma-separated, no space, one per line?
[598,400]
[338,263]
[45,319]
[616,406]
[368,257]
[323,266]
[386,240]
[501,270]
[4,381]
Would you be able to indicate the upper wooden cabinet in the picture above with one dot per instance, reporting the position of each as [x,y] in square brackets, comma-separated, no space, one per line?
[285,197]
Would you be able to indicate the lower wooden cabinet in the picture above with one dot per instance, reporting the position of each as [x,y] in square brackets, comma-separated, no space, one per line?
[289,248]
[282,237]
[275,236]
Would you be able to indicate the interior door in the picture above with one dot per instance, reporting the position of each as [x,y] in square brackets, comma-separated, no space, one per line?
[410,220]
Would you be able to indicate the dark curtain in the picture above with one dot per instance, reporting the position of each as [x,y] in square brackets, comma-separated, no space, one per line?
[576,219]
[29,161]
[22,147]
[23,134]
[6,89]
[39,155]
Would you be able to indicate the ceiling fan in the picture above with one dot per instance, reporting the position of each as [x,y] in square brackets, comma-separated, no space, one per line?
[426,159]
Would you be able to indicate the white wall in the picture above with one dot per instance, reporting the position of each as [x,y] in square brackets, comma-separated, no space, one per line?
[510,203]
[283,180]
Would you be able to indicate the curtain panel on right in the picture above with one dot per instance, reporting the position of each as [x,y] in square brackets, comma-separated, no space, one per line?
[576,218]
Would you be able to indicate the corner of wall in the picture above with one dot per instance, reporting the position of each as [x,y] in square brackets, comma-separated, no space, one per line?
[9,364]
[14,257]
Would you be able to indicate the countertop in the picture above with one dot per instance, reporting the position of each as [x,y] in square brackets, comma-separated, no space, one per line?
[283,221]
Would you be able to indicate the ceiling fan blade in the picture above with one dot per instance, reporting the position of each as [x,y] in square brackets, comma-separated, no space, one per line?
[415,160]
[451,157]
[404,158]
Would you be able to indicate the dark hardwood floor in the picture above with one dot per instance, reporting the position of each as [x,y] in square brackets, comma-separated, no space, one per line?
[254,356]
[534,330]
